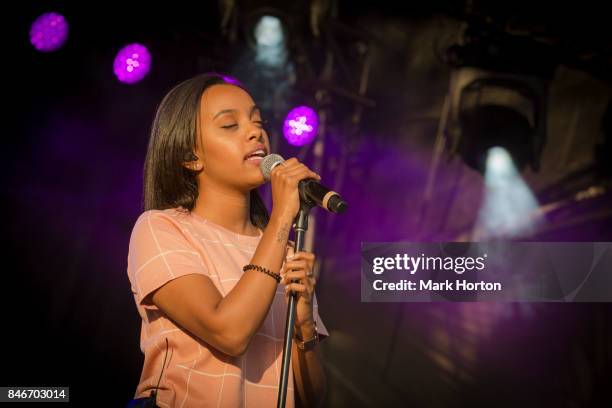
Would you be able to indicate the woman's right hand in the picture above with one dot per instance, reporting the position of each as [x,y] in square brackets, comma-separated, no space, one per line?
[285,194]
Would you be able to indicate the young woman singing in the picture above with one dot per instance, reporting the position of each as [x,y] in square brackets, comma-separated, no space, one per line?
[210,269]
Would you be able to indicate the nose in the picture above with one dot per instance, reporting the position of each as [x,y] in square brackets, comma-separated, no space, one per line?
[255,133]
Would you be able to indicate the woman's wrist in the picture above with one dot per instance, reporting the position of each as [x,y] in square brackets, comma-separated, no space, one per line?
[306,337]
[306,329]
[281,217]
[280,227]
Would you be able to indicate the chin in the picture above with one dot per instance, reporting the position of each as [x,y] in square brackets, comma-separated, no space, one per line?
[254,182]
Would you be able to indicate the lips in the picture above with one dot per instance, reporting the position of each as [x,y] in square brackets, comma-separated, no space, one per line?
[258,153]
[254,159]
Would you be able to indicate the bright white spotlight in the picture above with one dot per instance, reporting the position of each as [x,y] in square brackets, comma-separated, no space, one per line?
[269,32]
[499,162]
[509,208]
[270,42]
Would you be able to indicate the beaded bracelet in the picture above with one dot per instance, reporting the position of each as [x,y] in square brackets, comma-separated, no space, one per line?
[264,270]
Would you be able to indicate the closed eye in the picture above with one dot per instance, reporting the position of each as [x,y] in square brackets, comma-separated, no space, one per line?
[260,123]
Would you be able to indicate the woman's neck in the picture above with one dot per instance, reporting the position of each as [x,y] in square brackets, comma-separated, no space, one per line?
[225,207]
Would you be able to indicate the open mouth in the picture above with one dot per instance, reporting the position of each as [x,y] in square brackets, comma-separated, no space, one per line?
[254,159]
[256,156]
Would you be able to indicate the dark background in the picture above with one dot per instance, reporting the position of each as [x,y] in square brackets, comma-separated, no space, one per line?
[74,146]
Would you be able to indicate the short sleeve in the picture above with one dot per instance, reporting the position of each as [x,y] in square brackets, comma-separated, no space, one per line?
[321,329]
[158,253]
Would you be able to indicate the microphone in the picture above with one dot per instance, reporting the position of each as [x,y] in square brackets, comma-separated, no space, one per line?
[311,190]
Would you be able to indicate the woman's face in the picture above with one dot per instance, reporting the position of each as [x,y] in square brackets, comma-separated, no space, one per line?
[230,128]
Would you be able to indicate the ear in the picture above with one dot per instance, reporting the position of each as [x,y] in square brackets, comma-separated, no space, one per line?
[192,162]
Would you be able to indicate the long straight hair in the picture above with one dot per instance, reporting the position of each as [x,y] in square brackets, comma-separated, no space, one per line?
[167,182]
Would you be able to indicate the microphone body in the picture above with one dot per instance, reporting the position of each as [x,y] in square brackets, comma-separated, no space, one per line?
[311,191]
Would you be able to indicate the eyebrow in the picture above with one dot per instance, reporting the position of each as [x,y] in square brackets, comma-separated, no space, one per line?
[254,109]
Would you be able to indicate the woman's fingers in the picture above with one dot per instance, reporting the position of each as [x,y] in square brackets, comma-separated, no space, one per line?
[298,267]
[297,275]
[304,268]
[300,289]
[285,166]
[295,287]
[299,264]
[295,170]
[301,255]
[302,172]
[291,167]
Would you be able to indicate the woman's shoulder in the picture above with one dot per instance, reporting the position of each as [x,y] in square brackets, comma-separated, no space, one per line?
[155,219]
[166,228]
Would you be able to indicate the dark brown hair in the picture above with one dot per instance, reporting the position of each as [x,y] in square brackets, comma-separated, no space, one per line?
[167,182]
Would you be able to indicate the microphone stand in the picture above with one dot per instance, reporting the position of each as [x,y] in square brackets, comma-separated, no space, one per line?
[299,227]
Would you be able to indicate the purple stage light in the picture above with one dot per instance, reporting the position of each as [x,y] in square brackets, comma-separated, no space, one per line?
[301,125]
[49,32]
[132,63]
[231,80]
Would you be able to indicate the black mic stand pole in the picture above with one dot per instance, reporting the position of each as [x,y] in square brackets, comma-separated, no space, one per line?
[299,227]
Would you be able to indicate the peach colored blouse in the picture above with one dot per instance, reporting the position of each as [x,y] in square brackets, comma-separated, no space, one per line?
[171,243]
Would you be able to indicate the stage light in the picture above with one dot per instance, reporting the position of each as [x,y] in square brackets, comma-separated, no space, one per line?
[231,80]
[509,208]
[267,35]
[494,109]
[301,125]
[132,63]
[499,162]
[269,32]
[49,32]
[498,95]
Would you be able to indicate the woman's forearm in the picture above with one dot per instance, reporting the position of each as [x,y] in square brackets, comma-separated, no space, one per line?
[245,307]
[308,372]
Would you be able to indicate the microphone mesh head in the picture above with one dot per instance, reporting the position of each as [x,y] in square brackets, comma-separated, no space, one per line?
[268,163]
